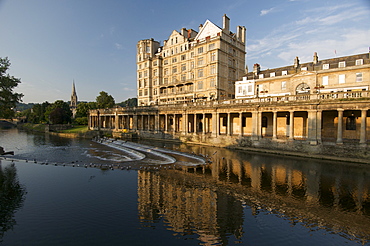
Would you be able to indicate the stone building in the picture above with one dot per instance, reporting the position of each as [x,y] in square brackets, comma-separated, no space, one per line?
[191,65]
[320,107]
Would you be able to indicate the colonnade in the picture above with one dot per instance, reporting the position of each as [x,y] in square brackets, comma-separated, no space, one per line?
[312,125]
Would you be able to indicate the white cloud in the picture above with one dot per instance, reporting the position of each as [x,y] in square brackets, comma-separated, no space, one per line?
[266,11]
[118,46]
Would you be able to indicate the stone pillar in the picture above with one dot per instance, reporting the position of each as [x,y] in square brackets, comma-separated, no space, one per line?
[319,125]
[312,127]
[142,123]
[241,124]
[186,123]
[134,122]
[214,124]
[255,135]
[340,126]
[274,125]
[259,124]
[205,127]
[229,130]
[165,123]
[363,126]
[116,122]
[156,122]
[291,125]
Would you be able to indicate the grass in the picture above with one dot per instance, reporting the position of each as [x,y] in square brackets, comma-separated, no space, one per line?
[76,129]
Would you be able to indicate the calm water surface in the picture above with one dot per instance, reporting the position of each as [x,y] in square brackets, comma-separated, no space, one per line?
[85,193]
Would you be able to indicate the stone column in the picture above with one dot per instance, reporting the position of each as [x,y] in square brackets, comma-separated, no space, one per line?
[291,125]
[363,126]
[319,125]
[255,135]
[116,121]
[229,130]
[186,123]
[214,124]
[165,123]
[134,122]
[312,127]
[156,122]
[340,126]
[274,125]
[204,124]
[241,124]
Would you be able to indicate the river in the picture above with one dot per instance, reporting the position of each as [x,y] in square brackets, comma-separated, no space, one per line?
[61,191]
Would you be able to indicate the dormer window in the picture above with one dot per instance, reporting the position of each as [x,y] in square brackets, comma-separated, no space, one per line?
[359,62]
[342,64]
[325,66]
[272,74]
[284,72]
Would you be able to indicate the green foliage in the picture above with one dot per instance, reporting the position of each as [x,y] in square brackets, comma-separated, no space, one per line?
[58,113]
[8,98]
[81,120]
[104,100]
[84,107]
[131,102]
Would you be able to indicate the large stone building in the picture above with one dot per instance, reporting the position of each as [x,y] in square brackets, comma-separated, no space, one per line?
[191,65]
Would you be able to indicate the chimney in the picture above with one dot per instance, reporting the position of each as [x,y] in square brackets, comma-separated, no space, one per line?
[183,32]
[256,68]
[241,33]
[200,27]
[296,62]
[226,24]
[315,58]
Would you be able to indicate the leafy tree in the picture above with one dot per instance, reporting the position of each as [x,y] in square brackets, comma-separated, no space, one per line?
[8,98]
[131,102]
[104,100]
[58,113]
[84,107]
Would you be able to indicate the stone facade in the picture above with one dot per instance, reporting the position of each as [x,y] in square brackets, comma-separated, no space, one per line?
[191,65]
[333,119]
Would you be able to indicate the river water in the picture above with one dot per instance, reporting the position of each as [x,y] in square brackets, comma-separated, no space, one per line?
[60,191]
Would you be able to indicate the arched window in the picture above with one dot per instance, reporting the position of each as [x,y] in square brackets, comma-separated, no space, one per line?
[302,88]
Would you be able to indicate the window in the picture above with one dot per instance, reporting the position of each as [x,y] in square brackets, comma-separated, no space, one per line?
[213,82]
[165,62]
[174,69]
[183,67]
[155,91]
[155,72]
[145,92]
[325,66]
[174,60]
[342,64]
[145,73]
[155,63]
[200,50]
[358,77]
[183,77]
[140,75]
[342,78]
[284,73]
[148,49]
[325,80]
[192,65]
[166,71]
[200,61]
[260,76]
[212,46]
[165,80]
[359,62]
[200,85]
[174,79]
[272,74]
[192,54]
[303,68]
[351,123]
[213,69]
[183,57]
[200,73]
[140,92]
[283,85]
[213,56]
[249,88]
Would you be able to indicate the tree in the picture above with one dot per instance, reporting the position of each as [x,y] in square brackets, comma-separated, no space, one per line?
[8,98]
[131,102]
[104,100]
[58,113]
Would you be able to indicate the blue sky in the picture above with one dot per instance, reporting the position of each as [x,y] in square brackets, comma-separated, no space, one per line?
[50,43]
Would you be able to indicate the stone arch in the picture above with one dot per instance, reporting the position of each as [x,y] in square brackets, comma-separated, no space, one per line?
[302,88]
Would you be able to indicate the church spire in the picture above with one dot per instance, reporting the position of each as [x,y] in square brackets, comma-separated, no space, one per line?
[73,104]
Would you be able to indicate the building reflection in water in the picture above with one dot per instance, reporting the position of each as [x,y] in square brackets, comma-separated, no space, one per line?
[208,200]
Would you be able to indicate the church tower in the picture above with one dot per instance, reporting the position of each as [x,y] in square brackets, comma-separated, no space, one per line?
[73,104]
